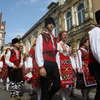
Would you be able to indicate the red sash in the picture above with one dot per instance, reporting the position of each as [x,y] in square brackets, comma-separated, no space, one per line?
[66,70]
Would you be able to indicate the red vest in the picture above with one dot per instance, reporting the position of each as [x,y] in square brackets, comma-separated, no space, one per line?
[15,58]
[49,52]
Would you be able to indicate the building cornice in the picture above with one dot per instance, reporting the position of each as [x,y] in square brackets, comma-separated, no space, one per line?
[41,20]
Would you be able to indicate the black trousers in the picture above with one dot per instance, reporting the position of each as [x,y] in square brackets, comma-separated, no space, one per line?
[94,68]
[15,75]
[51,83]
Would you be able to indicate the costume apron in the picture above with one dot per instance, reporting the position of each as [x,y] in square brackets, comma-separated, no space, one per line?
[66,70]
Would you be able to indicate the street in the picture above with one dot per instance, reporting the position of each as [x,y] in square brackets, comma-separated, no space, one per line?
[5,96]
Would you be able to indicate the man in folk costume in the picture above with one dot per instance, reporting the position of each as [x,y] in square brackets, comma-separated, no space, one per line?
[45,52]
[14,63]
[94,38]
[65,66]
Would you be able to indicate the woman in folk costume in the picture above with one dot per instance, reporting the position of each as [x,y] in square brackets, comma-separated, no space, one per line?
[84,78]
[15,62]
[45,53]
[35,74]
[65,66]
[1,66]
[28,68]
[1,62]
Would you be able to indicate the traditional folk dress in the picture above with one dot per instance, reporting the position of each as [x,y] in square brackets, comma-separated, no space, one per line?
[84,77]
[35,81]
[45,53]
[65,66]
[28,68]
[3,66]
[35,72]
[65,69]
[13,57]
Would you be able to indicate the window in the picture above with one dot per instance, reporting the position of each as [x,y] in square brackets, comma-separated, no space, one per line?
[56,30]
[69,20]
[81,13]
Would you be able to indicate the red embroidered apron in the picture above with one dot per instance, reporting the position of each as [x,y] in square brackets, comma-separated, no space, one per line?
[66,71]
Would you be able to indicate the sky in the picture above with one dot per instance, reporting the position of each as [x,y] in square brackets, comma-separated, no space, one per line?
[21,15]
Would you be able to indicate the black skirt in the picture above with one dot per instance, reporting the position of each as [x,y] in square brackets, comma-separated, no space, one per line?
[80,81]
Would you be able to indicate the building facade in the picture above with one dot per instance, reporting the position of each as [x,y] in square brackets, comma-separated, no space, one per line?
[37,29]
[2,32]
[75,16]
